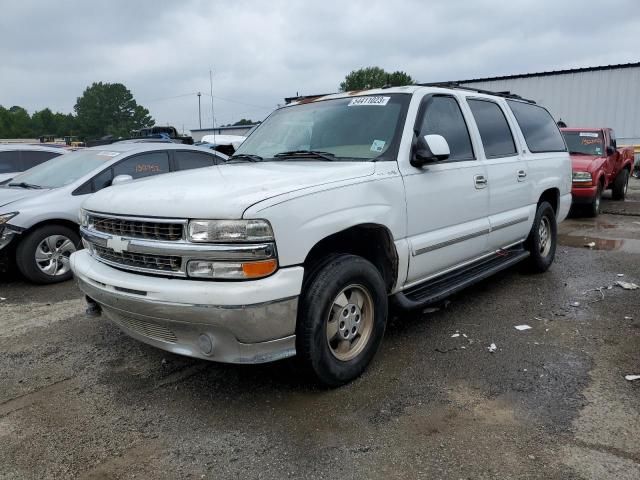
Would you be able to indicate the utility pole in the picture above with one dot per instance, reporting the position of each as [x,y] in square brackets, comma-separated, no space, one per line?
[213,117]
[199,111]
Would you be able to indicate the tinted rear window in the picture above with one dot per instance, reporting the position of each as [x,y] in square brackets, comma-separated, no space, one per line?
[9,161]
[31,158]
[493,127]
[538,127]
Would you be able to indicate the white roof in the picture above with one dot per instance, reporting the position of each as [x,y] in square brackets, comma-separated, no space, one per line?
[31,147]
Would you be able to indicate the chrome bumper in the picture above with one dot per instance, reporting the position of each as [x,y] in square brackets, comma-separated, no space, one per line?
[243,334]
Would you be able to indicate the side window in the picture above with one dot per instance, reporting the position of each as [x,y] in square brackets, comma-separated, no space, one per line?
[186,160]
[612,135]
[29,159]
[9,161]
[102,180]
[538,127]
[493,127]
[144,165]
[442,116]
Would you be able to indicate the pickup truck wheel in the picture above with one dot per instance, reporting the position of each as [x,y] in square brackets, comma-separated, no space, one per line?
[43,255]
[542,239]
[342,318]
[620,185]
[594,206]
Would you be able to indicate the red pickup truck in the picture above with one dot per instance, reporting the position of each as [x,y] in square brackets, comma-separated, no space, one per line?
[598,165]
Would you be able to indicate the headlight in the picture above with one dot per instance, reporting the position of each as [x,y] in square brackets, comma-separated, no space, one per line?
[230,231]
[84,218]
[4,218]
[582,177]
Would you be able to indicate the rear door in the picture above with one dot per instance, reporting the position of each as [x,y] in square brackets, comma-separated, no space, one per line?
[509,188]
[447,201]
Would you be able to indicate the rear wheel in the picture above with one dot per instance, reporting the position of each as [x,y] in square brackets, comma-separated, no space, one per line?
[620,185]
[542,239]
[342,318]
[43,255]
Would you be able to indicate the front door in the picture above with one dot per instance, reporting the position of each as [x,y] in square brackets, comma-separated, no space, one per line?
[447,201]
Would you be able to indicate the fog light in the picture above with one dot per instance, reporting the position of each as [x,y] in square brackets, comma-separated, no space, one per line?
[205,344]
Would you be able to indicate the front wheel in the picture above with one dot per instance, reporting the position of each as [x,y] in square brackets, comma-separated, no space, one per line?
[620,185]
[542,239]
[43,255]
[594,206]
[342,318]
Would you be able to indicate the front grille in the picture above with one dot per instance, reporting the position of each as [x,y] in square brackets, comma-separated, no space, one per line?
[146,329]
[160,263]
[138,229]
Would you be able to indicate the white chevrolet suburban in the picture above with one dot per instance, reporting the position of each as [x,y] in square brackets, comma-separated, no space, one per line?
[332,208]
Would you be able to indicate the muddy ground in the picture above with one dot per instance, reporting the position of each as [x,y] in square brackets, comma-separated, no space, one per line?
[80,399]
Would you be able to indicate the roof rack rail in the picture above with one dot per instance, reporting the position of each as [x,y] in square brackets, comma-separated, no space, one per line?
[472,89]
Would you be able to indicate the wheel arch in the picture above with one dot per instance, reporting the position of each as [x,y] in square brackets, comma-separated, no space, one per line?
[552,196]
[371,241]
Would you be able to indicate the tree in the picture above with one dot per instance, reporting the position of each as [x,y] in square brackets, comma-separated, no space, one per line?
[109,109]
[374,77]
[243,121]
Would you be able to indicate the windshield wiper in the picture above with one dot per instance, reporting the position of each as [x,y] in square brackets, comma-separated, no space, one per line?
[245,156]
[24,185]
[306,153]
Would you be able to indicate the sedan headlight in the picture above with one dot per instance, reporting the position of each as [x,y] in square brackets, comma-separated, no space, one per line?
[229,231]
[4,218]
[582,177]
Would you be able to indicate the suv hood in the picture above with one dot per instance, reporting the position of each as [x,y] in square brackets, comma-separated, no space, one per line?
[583,163]
[12,195]
[222,192]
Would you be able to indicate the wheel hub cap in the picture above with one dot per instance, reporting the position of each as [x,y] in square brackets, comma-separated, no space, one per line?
[350,322]
[544,234]
[52,255]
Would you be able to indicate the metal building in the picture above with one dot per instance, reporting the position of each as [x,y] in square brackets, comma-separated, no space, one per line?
[606,96]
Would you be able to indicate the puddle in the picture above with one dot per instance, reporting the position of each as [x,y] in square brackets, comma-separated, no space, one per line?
[624,245]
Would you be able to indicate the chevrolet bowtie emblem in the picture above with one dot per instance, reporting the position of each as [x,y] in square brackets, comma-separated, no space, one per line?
[117,244]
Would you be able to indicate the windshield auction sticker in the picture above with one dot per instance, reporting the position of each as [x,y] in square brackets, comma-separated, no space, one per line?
[108,154]
[379,101]
[589,134]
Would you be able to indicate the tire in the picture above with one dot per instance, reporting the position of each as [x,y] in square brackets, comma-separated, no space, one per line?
[542,252]
[347,297]
[52,244]
[593,210]
[620,185]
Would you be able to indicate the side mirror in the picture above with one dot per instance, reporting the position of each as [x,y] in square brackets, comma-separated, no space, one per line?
[610,150]
[430,148]
[120,179]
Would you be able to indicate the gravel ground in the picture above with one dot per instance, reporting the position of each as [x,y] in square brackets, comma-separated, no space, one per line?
[80,399]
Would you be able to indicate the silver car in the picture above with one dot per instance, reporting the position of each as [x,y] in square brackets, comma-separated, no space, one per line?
[39,208]
[18,157]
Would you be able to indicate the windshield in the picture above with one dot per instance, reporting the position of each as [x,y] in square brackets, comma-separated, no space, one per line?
[353,129]
[587,143]
[64,169]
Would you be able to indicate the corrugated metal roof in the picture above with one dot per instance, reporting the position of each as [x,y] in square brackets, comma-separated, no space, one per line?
[553,72]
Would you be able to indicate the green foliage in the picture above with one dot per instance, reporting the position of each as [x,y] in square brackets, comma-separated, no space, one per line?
[102,109]
[374,77]
[109,109]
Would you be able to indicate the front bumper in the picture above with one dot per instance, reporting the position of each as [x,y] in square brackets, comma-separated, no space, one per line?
[232,322]
[583,195]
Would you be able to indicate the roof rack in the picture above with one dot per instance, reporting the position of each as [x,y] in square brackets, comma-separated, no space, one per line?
[456,85]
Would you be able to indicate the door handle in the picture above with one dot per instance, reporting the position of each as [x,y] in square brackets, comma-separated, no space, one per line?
[480,181]
[521,175]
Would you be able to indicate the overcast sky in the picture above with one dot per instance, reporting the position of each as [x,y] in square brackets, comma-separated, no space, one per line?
[262,51]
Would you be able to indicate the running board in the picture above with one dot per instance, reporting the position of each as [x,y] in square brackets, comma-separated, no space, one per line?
[439,288]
